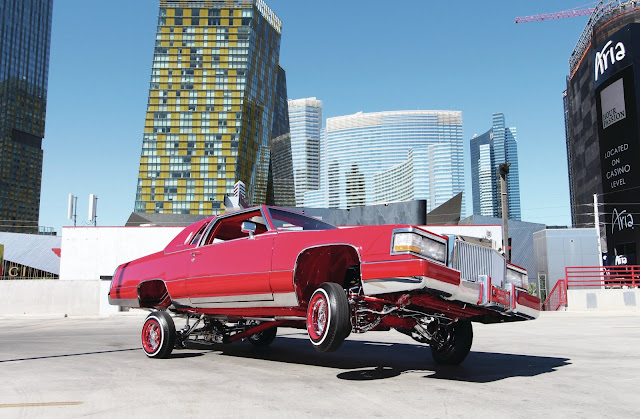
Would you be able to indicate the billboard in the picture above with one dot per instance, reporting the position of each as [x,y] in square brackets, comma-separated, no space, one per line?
[616,81]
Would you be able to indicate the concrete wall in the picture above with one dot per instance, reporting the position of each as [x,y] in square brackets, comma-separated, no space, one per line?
[603,299]
[87,254]
[50,296]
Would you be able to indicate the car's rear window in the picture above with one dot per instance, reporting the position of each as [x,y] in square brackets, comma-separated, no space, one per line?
[285,220]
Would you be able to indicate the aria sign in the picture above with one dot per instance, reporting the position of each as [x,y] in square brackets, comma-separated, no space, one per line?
[608,55]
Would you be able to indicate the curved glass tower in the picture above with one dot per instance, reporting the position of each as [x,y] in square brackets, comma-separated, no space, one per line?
[379,157]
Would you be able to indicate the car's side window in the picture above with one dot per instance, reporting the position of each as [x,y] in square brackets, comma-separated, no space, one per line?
[230,228]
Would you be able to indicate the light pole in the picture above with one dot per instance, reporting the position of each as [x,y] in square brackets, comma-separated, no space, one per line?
[503,171]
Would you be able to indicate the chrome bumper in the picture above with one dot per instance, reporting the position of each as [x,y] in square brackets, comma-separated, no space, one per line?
[510,302]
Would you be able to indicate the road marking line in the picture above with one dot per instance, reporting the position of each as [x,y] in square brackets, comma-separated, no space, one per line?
[41,404]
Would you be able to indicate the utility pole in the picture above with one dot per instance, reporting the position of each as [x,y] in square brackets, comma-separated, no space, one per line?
[596,221]
[503,171]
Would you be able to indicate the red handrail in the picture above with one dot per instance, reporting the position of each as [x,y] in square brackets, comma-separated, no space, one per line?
[603,276]
[557,297]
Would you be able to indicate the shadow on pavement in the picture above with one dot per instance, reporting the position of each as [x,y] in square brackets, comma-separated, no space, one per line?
[366,360]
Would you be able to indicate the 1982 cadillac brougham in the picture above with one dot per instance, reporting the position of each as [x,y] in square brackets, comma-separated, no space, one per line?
[243,274]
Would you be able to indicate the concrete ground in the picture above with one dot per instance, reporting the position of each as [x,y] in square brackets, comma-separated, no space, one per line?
[561,365]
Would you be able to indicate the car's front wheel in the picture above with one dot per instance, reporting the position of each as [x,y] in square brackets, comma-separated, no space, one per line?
[158,335]
[328,317]
[454,343]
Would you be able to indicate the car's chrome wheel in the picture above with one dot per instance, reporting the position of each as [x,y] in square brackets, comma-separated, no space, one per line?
[328,322]
[317,315]
[158,335]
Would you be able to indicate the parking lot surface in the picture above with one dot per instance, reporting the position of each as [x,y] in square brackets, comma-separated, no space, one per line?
[561,365]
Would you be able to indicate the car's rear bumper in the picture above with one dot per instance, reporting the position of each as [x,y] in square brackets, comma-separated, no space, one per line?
[419,274]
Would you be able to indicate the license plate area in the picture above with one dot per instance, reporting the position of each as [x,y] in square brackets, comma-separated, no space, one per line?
[493,297]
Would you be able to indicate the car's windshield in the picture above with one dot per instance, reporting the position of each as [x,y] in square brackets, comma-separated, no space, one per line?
[285,220]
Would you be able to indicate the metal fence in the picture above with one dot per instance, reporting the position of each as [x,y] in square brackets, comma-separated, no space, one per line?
[557,297]
[14,271]
[624,276]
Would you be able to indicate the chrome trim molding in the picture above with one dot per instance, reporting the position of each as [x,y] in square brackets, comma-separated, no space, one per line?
[233,298]
[468,292]
[288,299]
[124,302]
[402,284]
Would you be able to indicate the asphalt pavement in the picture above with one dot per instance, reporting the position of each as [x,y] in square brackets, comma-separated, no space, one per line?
[561,365]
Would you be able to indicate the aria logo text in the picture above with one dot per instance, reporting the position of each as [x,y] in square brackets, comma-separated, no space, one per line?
[621,220]
[609,55]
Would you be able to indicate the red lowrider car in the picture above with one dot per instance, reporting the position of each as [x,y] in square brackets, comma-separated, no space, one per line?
[242,275]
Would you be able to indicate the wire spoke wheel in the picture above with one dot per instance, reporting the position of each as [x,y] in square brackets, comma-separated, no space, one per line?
[151,336]
[317,317]
[158,335]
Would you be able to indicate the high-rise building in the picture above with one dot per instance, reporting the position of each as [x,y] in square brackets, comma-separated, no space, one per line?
[305,116]
[583,146]
[380,157]
[212,116]
[280,187]
[25,37]
[488,151]
[602,128]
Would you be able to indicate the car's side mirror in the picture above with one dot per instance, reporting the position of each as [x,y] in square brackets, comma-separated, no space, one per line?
[248,227]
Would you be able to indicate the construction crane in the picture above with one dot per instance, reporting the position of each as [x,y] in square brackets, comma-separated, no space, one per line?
[578,11]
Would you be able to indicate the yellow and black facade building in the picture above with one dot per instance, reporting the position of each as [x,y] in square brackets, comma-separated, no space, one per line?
[211,117]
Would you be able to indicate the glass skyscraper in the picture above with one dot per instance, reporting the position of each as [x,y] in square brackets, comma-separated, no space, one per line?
[305,116]
[217,107]
[25,37]
[371,158]
[488,151]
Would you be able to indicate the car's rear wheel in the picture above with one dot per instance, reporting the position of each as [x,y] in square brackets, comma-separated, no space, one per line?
[328,317]
[264,338]
[158,335]
[455,343]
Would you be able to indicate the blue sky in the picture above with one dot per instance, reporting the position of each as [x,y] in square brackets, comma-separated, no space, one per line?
[353,55]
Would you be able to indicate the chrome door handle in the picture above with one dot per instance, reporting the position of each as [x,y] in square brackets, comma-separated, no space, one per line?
[194,254]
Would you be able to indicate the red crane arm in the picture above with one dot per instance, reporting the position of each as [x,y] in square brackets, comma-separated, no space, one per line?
[557,15]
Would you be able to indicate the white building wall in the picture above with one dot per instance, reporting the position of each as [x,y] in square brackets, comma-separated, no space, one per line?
[557,249]
[91,252]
